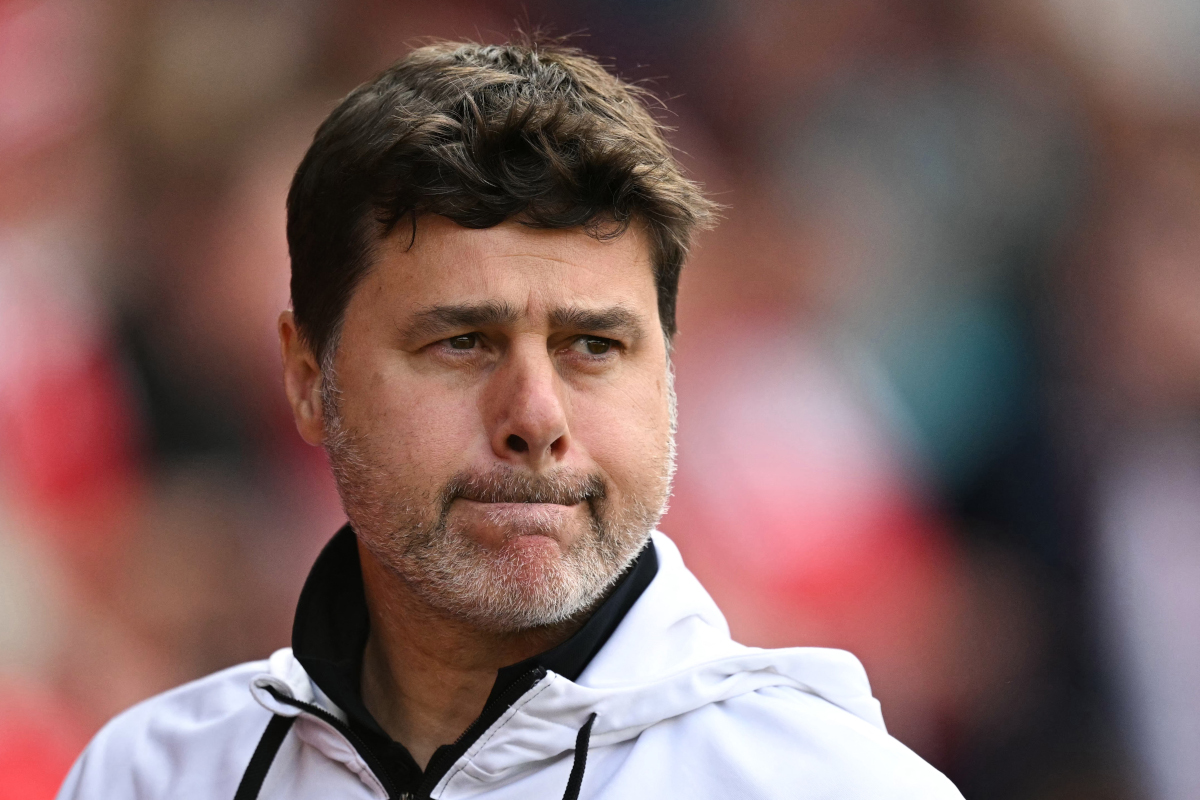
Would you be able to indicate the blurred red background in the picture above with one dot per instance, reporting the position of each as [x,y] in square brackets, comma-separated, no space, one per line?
[938,370]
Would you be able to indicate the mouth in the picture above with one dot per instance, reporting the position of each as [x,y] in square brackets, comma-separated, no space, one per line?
[523,519]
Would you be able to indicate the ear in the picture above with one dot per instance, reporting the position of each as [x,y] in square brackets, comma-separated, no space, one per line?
[301,380]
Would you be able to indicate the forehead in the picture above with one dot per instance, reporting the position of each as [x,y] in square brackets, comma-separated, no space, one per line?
[524,266]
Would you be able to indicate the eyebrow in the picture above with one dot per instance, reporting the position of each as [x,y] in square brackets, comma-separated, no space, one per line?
[436,320]
[616,320]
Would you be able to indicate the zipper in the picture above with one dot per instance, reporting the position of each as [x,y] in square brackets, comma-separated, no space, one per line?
[355,740]
[443,759]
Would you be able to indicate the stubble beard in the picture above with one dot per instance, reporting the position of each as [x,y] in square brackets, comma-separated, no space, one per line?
[500,590]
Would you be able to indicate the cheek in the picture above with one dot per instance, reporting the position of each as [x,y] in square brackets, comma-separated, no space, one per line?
[420,432]
[626,433]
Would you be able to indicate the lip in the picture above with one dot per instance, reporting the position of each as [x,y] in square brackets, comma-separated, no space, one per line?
[529,513]
[518,507]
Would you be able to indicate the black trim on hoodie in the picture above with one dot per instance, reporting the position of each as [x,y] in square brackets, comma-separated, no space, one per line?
[330,633]
[264,755]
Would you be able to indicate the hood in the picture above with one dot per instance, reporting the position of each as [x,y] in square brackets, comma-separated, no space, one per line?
[672,654]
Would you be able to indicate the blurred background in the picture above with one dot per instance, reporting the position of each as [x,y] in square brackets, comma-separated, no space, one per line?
[939,366]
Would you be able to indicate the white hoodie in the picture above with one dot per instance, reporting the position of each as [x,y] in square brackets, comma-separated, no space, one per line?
[680,711]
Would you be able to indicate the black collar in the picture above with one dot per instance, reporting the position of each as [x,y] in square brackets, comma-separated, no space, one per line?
[331,626]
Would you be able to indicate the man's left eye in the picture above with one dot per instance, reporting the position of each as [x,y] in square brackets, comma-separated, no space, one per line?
[596,346]
[464,342]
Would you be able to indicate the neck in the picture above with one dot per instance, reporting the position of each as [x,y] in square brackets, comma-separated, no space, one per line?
[427,676]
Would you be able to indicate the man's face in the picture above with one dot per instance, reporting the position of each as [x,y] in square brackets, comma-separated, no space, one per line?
[499,417]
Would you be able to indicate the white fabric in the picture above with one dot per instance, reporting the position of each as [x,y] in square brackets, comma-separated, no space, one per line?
[681,711]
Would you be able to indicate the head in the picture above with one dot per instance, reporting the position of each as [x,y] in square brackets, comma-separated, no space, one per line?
[486,244]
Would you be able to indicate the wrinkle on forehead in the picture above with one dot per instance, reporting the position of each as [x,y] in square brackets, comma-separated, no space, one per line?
[562,245]
[549,278]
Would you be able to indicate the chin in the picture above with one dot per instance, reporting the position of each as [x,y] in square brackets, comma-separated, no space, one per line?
[536,552]
[528,580]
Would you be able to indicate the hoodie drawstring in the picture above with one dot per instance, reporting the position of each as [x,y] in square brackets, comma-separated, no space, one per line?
[580,763]
[264,754]
[278,727]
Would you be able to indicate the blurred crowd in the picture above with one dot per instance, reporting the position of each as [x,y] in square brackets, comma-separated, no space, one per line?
[938,369]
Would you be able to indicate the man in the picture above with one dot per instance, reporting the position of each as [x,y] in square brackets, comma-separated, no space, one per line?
[486,245]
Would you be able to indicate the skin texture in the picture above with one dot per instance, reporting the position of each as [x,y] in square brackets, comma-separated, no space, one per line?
[547,392]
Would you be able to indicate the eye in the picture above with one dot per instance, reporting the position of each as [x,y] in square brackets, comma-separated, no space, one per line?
[465,342]
[597,347]
[594,346]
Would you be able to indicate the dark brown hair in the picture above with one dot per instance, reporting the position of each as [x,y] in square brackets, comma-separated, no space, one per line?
[481,134]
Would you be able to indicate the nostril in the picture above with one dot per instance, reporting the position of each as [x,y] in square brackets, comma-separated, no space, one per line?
[517,444]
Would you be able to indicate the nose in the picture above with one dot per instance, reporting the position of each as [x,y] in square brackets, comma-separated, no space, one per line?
[525,410]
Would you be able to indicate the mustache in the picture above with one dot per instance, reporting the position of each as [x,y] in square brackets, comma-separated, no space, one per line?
[507,485]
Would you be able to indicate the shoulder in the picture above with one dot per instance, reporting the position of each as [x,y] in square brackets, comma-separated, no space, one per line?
[784,742]
[207,728]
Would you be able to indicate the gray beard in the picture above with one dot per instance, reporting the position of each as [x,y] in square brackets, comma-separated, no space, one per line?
[505,590]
